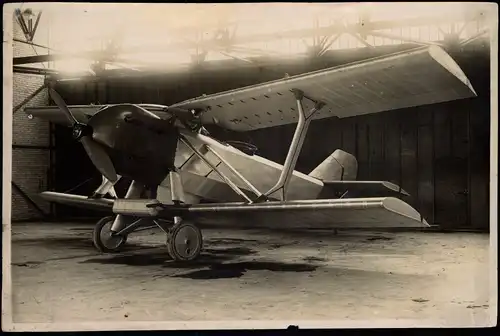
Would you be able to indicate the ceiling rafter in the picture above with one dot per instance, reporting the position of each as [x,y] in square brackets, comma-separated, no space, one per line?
[226,41]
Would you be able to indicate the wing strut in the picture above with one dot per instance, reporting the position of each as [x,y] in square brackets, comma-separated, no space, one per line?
[295,146]
[230,183]
[235,172]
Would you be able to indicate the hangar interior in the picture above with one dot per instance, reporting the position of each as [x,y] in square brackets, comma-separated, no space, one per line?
[439,153]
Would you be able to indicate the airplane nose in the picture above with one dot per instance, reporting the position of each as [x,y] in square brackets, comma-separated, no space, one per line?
[128,129]
[106,126]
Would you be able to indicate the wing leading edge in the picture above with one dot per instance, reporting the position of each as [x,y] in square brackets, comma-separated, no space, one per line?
[382,212]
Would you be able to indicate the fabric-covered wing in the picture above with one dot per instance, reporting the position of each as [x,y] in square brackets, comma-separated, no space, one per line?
[382,212]
[330,213]
[423,76]
[82,112]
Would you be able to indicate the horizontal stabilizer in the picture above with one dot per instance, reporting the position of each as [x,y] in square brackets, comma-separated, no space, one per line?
[361,189]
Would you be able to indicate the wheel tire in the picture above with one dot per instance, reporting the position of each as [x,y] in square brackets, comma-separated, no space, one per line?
[112,244]
[184,242]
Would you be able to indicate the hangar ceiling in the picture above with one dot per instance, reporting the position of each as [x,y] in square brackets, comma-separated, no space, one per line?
[93,38]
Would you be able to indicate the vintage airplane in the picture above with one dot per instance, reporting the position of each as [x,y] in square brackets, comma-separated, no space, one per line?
[182,178]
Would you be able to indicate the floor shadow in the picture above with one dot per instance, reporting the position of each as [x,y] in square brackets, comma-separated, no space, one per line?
[313,259]
[233,251]
[77,242]
[229,241]
[29,264]
[379,238]
[149,259]
[238,269]
[208,257]
[321,233]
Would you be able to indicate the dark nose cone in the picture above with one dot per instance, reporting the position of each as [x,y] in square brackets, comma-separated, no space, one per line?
[141,146]
[109,125]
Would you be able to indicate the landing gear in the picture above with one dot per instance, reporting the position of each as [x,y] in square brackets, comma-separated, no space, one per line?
[103,238]
[184,241]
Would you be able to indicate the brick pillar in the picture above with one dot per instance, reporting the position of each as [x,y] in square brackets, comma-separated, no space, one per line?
[29,165]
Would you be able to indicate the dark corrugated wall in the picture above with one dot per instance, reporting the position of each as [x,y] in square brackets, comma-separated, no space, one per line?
[438,153]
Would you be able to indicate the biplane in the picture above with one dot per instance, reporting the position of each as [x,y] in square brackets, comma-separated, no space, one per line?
[183,179]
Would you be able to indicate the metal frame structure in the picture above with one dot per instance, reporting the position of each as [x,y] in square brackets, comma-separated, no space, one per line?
[225,40]
[296,145]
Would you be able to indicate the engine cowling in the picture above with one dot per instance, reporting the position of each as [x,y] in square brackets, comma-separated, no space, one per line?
[141,146]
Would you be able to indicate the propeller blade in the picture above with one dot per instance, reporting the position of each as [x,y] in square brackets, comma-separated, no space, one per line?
[62,105]
[99,158]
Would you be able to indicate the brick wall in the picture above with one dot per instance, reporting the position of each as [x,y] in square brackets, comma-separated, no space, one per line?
[29,166]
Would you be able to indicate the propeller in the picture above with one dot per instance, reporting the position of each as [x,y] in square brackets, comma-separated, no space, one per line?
[83,134]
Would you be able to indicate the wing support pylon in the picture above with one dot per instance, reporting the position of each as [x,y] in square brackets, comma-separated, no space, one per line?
[299,136]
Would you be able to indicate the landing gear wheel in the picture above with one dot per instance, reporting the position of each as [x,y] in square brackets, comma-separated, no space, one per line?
[103,240]
[184,242]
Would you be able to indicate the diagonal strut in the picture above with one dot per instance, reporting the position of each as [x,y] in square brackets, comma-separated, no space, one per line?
[295,146]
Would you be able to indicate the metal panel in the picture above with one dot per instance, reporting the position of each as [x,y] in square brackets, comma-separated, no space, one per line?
[349,136]
[409,155]
[362,150]
[376,147]
[459,139]
[392,147]
[425,163]
[479,166]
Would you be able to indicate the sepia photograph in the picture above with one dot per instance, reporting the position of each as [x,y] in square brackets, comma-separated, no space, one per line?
[194,166]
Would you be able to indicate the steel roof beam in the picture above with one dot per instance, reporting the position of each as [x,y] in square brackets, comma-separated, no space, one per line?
[364,28]
[34,71]
[337,28]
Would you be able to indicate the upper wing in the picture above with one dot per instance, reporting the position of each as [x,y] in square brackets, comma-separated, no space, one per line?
[82,112]
[423,76]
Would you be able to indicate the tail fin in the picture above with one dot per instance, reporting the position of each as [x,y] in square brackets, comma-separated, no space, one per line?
[339,166]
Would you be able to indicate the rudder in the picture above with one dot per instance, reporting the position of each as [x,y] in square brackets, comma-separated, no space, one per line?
[339,166]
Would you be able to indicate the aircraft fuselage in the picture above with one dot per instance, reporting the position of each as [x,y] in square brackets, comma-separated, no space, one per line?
[202,181]
[145,149]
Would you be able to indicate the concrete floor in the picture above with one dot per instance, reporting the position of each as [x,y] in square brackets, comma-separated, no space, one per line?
[442,279]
